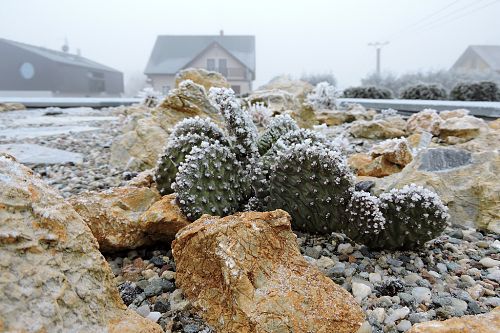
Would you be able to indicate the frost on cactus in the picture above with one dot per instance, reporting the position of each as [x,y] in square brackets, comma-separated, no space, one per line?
[239,124]
[278,126]
[210,181]
[312,183]
[261,114]
[197,125]
[323,96]
[175,153]
[400,219]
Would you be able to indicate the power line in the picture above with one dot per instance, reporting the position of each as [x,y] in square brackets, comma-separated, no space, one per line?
[460,16]
[440,19]
[425,18]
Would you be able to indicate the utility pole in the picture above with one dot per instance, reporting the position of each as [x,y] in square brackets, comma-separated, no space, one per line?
[378,46]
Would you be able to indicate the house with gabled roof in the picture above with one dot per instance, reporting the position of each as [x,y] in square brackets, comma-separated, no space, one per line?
[479,58]
[28,70]
[231,55]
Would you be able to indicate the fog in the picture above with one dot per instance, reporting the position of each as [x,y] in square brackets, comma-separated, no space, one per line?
[292,37]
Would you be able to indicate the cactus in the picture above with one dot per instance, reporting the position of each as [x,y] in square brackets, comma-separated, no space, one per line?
[278,126]
[424,92]
[400,219]
[175,152]
[239,124]
[311,182]
[211,181]
[323,96]
[197,125]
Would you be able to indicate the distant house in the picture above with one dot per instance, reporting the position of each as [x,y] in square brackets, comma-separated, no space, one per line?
[479,58]
[232,56]
[27,70]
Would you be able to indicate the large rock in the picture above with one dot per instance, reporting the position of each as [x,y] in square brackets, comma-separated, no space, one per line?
[338,117]
[277,100]
[427,120]
[458,113]
[145,133]
[467,182]
[53,277]
[11,107]
[207,79]
[245,273]
[387,128]
[461,129]
[126,218]
[483,323]
[298,88]
[396,151]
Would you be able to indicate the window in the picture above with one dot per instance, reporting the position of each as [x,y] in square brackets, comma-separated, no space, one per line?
[211,64]
[27,71]
[223,66]
[236,89]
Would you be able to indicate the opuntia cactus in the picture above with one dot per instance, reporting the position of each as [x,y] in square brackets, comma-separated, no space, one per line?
[211,181]
[278,126]
[400,219]
[198,125]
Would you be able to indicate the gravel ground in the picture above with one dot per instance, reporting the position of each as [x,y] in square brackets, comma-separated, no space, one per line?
[456,274]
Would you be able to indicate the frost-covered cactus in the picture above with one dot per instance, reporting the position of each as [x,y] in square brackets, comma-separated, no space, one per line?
[312,183]
[278,126]
[400,219]
[239,124]
[197,125]
[323,96]
[211,181]
[175,153]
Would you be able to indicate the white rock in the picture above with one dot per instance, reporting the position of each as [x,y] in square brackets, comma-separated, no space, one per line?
[375,277]
[324,263]
[154,316]
[489,262]
[365,328]
[360,291]
[345,248]
[422,295]
[396,315]
[143,310]
[379,314]
[404,325]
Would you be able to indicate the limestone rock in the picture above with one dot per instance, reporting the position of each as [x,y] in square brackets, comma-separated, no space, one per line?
[426,120]
[53,277]
[376,167]
[11,107]
[465,128]
[145,133]
[207,79]
[388,128]
[143,179]
[395,151]
[495,124]
[458,113]
[129,217]
[277,100]
[245,273]
[466,182]
[298,88]
[483,323]
[338,117]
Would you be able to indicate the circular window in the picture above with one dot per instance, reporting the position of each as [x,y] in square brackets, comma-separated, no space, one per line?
[27,71]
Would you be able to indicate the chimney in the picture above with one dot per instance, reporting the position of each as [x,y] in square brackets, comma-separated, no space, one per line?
[222,33]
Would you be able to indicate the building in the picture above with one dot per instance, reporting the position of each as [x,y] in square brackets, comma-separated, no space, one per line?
[232,56]
[27,70]
[479,58]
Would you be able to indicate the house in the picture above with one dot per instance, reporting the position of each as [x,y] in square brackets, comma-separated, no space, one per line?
[28,70]
[479,58]
[232,56]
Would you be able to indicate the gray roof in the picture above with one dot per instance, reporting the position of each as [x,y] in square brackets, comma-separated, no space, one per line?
[60,57]
[172,53]
[490,54]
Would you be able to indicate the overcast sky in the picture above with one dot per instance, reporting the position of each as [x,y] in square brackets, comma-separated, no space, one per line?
[292,36]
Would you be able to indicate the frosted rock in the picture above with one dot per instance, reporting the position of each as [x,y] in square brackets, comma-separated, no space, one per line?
[54,278]
[253,258]
[360,291]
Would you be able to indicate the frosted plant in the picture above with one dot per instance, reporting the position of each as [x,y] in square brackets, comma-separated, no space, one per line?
[150,97]
[278,126]
[239,124]
[198,125]
[260,113]
[323,96]
[386,113]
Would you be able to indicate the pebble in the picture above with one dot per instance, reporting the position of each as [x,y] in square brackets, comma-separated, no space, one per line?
[397,314]
[345,248]
[422,294]
[375,277]
[360,291]
[154,316]
[489,262]
[143,310]
[404,325]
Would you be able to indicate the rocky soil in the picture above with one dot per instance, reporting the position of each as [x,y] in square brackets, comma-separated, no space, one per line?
[454,275]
